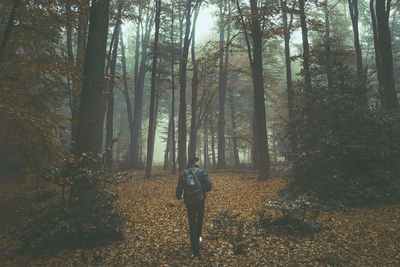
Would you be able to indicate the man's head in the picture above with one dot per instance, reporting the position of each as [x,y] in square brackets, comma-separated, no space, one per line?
[195,161]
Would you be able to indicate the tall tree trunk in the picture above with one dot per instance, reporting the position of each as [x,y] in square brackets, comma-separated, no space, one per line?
[77,81]
[385,48]
[152,112]
[182,158]
[259,100]
[231,98]
[221,91]
[134,141]
[91,111]
[213,143]
[138,100]
[377,54]
[195,83]
[167,147]
[92,105]
[306,50]
[353,8]
[173,97]
[126,92]
[328,46]
[8,28]
[70,63]
[110,98]
[234,139]
[206,160]
[290,91]
[254,151]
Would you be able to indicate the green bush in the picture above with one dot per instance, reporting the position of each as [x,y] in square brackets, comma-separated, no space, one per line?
[347,150]
[73,222]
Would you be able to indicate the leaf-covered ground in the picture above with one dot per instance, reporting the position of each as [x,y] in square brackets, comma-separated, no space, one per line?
[156,230]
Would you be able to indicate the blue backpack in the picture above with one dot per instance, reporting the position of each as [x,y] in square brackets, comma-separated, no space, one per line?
[193,189]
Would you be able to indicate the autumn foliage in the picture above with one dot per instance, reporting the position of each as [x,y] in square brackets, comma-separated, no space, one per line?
[246,223]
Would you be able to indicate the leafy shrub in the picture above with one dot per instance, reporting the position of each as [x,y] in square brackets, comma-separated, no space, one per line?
[74,221]
[346,150]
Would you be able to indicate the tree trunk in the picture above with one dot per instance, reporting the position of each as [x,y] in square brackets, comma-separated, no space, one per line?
[92,105]
[259,100]
[91,110]
[234,139]
[126,92]
[353,8]
[377,54]
[213,143]
[195,83]
[8,28]
[206,160]
[134,141]
[290,91]
[70,63]
[173,98]
[110,98]
[152,112]
[385,49]
[306,50]
[77,82]
[221,93]
[236,161]
[182,158]
[138,100]
[328,46]
[167,147]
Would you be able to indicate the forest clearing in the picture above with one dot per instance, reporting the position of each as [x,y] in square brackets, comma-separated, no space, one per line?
[155,232]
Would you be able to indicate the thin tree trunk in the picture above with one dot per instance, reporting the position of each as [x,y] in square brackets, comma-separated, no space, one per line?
[126,92]
[134,142]
[290,91]
[70,64]
[385,48]
[377,54]
[206,160]
[195,83]
[213,143]
[328,46]
[353,8]
[173,97]
[306,50]
[234,139]
[231,98]
[110,98]
[221,93]
[8,28]
[167,147]
[182,157]
[138,100]
[152,112]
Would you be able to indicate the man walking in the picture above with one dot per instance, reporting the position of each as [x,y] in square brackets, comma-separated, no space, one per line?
[194,183]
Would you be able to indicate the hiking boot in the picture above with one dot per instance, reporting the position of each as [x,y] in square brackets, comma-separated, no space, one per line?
[200,240]
[195,257]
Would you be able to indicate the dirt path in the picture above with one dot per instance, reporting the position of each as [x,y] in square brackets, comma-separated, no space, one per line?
[156,231]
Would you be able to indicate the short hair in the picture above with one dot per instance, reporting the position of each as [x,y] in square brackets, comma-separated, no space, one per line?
[193,160]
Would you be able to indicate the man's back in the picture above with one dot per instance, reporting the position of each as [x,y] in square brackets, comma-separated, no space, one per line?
[200,174]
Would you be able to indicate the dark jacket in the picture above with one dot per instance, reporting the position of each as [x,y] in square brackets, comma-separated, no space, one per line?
[201,175]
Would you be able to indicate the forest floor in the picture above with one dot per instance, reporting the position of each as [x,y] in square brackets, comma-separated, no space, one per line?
[156,230]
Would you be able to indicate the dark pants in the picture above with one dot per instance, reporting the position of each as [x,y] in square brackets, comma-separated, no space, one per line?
[195,216]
